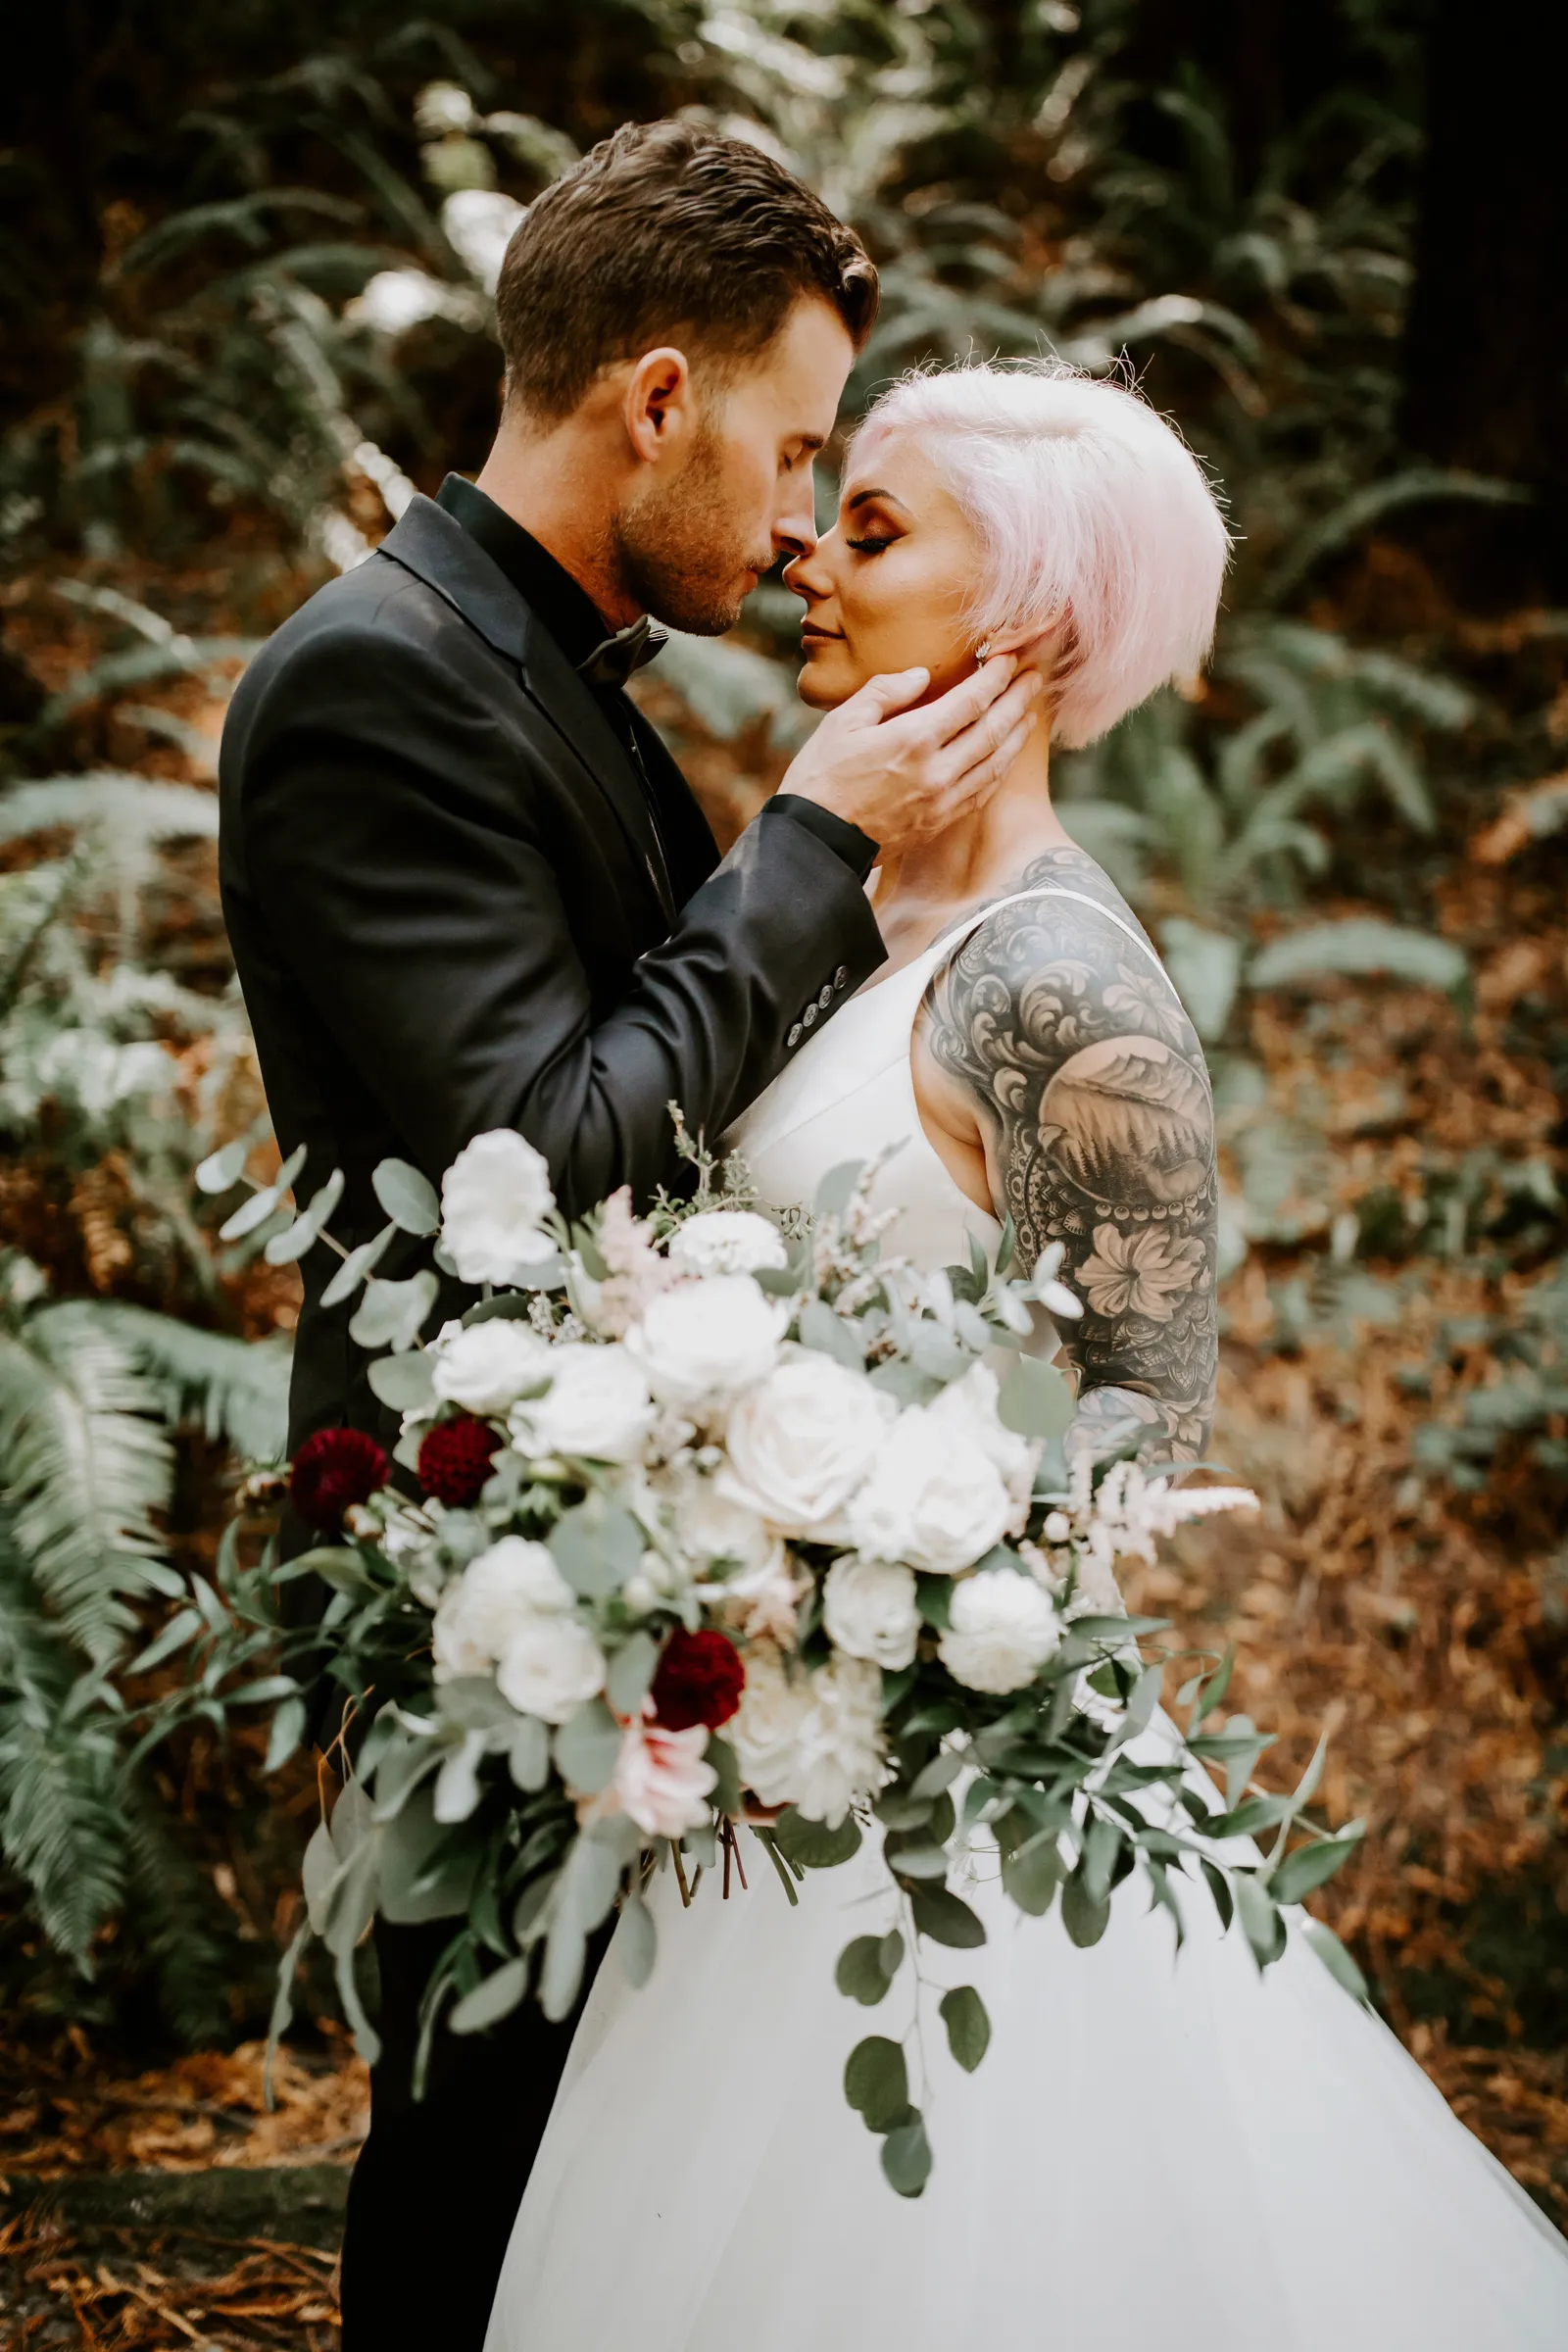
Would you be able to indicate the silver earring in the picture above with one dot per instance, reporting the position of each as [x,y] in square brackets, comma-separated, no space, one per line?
[982,651]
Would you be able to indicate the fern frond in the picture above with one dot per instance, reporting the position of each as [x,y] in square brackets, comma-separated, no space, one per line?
[237,1389]
[85,1466]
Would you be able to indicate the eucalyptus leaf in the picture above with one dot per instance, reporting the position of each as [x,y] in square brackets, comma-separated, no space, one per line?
[1031,1876]
[1084,1916]
[876,2081]
[1309,1867]
[631,1670]
[859,1974]
[409,1200]
[830,1334]
[285,1248]
[392,1313]
[221,1170]
[1259,1916]
[833,1193]
[318,1871]
[906,2158]
[1337,1960]
[587,1747]
[945,1918]
[811,1843]
[356,1266]
[964,2013]
[637,1939]
[288,1729]
[1034,1399]
[405,1382]
[494,1998]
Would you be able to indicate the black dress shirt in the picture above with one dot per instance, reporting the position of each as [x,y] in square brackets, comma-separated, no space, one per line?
[577,626]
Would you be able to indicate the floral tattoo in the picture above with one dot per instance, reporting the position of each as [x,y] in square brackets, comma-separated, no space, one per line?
[1091,1087]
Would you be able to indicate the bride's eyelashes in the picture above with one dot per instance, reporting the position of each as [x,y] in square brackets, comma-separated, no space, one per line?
[868,547]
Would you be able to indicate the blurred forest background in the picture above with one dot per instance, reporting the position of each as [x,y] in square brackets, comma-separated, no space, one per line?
[245,259]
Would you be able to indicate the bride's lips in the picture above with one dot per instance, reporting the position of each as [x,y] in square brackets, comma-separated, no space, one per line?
[812,628]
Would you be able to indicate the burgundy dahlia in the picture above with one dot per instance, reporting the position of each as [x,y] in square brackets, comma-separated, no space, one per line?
[332,1469]
[455,1459]
[700,1680]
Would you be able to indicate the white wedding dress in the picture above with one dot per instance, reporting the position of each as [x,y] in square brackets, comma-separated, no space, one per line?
[1159,2153]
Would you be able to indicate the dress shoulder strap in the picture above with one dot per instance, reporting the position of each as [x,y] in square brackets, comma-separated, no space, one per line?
[950,941]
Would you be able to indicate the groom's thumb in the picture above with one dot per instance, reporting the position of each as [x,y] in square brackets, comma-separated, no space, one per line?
[894,690]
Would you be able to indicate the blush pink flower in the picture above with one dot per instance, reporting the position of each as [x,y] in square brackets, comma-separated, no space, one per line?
[662,1781]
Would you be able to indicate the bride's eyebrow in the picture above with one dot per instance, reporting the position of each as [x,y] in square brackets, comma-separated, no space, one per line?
[862,498]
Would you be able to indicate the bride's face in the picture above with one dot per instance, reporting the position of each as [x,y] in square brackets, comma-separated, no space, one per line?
[886,588]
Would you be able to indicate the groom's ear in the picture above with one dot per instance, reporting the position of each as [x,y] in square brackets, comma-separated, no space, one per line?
[659,408]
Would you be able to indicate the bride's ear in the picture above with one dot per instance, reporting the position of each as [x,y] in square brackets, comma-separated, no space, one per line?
[1029,643]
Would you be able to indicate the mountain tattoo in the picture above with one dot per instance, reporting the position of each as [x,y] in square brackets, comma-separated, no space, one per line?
[1099,1127]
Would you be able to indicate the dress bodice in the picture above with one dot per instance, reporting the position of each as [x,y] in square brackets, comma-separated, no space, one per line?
[850,1093]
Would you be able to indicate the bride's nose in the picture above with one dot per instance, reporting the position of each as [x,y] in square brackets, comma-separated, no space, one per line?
[806,575]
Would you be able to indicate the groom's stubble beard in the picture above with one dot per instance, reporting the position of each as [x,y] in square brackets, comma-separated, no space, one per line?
[679,551]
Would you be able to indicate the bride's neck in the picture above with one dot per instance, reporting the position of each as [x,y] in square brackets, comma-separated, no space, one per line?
[987,851]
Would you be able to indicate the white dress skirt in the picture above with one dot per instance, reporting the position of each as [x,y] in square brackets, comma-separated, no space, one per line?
[1158,2153]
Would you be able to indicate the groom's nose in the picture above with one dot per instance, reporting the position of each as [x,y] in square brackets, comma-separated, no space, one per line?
[795,532]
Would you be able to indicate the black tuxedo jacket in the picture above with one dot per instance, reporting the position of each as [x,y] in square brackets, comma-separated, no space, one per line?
[453,908]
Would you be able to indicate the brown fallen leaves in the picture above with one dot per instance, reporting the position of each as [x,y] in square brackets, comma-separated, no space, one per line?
[160,2294]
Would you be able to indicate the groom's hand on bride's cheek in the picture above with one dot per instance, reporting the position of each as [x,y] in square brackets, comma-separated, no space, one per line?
[905,774]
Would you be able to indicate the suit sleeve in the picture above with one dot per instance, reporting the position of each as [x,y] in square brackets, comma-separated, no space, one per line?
[422,915]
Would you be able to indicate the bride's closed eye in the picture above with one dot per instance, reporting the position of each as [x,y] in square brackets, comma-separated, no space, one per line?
[868,547]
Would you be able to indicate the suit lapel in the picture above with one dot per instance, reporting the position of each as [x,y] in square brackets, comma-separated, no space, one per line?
[688,840]
[432,544]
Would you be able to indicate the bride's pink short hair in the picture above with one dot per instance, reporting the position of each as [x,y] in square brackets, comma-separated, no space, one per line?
[1094,515]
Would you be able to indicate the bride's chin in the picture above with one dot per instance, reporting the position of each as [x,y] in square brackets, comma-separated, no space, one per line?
[819,689]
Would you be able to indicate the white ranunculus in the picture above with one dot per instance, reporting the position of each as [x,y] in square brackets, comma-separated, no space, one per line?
[765,1729]
[497,1595]
[810,1739]
[700,1342]
[727,1241]
[597,1405]
[495,1199]
[970,1407]
[840,1745]
[486,1369]
[552,1664]
[870,1609]
[935,1500]
[1002,1628]
[803,1440]
[661,1780]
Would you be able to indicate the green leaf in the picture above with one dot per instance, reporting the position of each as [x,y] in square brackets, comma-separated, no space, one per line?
[405,1382]
[1035,1399]
[1358,944]
[637,1939]
[597,1548]
[943,1916]
[833,1193]
[940,1773]
[860,1975]
[1084,1916]
[1204,967]
[250,1214]
[1216,1688]
[221,1170]
[587,1747]
[491,2000]
[528,1755]
[288,1729]
[811,1843]
[918,1860]
[728,1789]
[392,1313]
[830,1334]
[410,1201]
[934,1595]
[892,1953]
[1102,1846]
[1219,1886]
[318,1871]
[1259,1916]
[964,2013]
[356,1266]
[175,1634]
[1308,1867]
[308,1227]
[1337,1960]
[1031,1876]
[906,2158]
[631,1670]
[876,2081]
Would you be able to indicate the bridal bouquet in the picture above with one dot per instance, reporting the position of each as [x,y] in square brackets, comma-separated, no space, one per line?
[710,1532]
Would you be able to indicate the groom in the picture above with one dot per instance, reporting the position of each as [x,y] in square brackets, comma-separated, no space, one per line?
[468,888]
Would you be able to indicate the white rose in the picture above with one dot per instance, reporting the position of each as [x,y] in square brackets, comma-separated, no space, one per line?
[486,1369]
[934,1501]
[813,1740]
[716,1531]
[700,1342]
[495,1199]
[803,1440]
[727,1241]
[662,1781]
[597,1405]
[839,1745]
[765,1729]
[552,1664]
[1001,1630]
[870,1609]
[496,1597]
[970,1407]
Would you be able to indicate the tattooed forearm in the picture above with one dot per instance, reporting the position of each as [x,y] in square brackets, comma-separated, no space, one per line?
[1099,1126]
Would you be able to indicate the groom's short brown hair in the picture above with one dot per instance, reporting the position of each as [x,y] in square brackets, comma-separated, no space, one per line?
[667,227]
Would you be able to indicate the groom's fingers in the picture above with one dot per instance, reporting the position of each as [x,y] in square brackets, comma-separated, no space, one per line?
[979,745]
[953,713]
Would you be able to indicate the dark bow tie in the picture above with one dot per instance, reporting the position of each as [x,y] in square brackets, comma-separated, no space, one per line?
[613,662]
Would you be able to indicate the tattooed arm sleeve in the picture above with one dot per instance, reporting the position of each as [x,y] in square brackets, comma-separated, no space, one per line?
[1098,1128]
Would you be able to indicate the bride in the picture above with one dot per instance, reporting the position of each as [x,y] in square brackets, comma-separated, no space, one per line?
[1158,2149]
